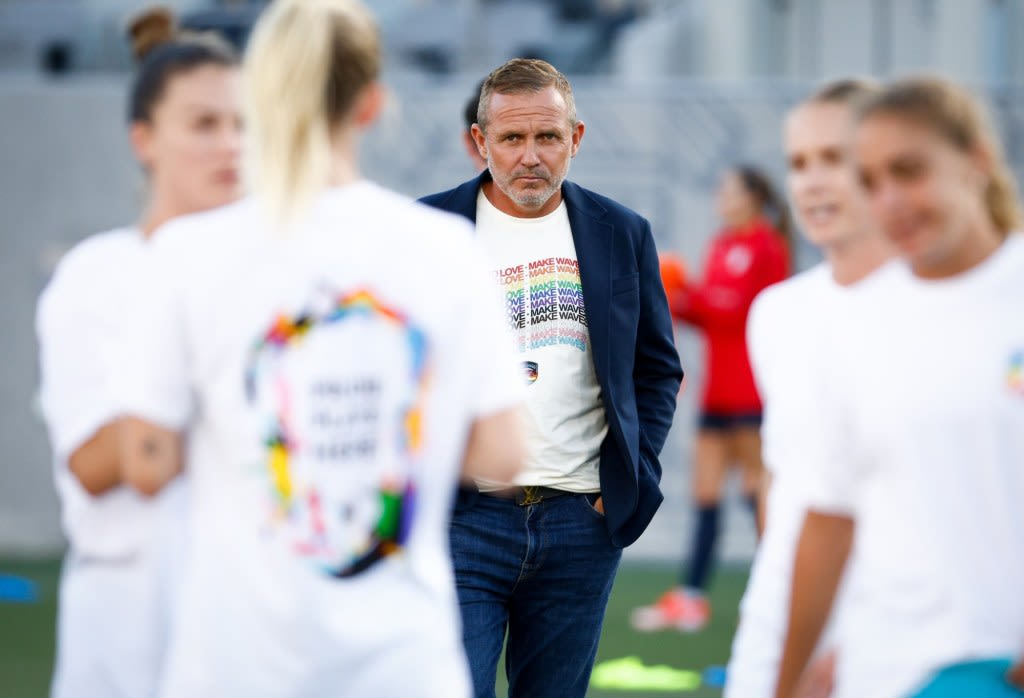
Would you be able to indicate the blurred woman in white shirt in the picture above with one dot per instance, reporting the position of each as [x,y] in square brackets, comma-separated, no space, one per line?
[920,445]
[784,340]
[184,115]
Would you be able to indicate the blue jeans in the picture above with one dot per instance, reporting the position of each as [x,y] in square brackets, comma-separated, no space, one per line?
[543,573]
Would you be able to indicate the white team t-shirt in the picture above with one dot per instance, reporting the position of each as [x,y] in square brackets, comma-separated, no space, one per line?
[922,442]
[785,337]
[535,266]
[123,548]
[79,324]
[327,379]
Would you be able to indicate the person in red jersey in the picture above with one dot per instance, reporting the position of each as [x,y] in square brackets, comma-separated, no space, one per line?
[749,254]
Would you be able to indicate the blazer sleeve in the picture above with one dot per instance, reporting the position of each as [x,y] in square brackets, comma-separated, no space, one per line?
[657,372]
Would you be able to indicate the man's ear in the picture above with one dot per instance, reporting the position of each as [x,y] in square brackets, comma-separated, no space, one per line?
[469,143]
[480,139]
[577,137]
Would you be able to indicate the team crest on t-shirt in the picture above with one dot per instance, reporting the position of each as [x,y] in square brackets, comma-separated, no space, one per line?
[1015,374]
[340,388]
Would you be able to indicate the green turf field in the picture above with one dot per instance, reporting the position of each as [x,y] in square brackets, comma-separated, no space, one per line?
[26,631]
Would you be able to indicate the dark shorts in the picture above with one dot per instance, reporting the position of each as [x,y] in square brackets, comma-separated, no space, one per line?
[720,421]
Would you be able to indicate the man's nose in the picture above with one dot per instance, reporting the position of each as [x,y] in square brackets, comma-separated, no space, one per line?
[530,157]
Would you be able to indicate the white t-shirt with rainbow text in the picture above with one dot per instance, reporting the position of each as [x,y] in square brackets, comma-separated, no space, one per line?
[535,266]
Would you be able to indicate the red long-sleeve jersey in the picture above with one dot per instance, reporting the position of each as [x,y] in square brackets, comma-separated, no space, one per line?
[741,263]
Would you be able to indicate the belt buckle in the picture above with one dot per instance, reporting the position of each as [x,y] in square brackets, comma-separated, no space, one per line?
[529,495]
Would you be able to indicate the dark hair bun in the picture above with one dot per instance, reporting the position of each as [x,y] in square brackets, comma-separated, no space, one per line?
[151,28]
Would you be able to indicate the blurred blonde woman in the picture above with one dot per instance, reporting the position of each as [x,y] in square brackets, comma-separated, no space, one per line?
[921,422]
[184,124]
[784,337]
[336,357]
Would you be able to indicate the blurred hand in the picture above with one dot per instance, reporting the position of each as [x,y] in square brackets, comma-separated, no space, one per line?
[599,505]
[1016,674]
[818,680]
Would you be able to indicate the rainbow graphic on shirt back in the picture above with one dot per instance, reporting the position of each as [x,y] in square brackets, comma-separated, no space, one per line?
[303,504]
[1015,374]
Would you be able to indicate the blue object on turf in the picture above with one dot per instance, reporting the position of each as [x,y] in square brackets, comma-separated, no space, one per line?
[714,676]
[982,678]
[17,590]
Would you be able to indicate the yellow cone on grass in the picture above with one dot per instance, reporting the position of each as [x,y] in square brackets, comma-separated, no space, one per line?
[631,674]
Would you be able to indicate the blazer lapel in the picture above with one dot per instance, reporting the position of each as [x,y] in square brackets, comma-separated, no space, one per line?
[591,236]
[463,198]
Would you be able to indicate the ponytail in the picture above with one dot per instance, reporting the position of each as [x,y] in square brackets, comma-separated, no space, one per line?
[1001,198]
[308,60]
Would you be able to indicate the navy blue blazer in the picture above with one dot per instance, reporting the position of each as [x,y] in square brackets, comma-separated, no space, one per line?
[631,339]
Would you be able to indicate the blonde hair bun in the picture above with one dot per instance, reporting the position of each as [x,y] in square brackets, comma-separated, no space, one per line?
[151,28]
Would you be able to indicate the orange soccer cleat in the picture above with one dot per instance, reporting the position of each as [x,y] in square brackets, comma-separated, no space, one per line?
[676,608]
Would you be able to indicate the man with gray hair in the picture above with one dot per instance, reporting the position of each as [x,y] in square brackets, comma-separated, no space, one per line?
[589,319]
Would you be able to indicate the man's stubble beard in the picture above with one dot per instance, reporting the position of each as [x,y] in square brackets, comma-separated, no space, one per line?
[529,199]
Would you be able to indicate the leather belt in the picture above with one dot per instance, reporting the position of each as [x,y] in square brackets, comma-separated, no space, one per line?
[528,494]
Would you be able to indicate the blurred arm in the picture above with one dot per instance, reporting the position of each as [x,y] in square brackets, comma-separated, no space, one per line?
[77,337]
[821,555]
[1016,675]
[495,449]
[151,456]
[96,463]
[152,382]
[819,679]
[725,306]
[709,307]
